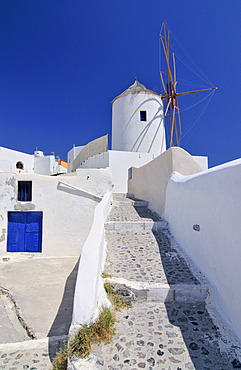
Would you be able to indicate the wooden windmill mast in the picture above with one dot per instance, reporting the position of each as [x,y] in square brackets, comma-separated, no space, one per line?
[170,92]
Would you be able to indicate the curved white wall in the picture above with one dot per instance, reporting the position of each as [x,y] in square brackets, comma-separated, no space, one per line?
[212,200]
[149,182]
[131,134]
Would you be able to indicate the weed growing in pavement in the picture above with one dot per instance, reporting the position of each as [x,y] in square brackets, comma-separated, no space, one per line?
[101,331]
[61,359]
[104,275]
[117,302]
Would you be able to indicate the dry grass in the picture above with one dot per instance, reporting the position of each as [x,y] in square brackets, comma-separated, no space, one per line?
[104,275]
[116,301]
[101,331]
[60,360]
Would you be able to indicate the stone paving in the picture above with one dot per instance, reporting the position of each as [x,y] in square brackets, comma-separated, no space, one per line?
[30,355]
[145,256]
[159,334]
[25,359]
[130,213]
[38,292]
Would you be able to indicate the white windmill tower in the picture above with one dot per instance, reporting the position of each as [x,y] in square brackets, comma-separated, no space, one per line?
[138,121]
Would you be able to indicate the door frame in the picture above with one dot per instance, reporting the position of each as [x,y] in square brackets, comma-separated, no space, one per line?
[25,231]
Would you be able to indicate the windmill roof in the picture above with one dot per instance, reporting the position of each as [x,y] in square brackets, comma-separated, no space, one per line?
[136,88]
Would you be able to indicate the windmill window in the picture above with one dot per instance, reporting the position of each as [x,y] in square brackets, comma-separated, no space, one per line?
[143,115]
[25,191]
[19,165]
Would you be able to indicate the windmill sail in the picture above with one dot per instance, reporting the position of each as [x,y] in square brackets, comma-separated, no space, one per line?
[169,86]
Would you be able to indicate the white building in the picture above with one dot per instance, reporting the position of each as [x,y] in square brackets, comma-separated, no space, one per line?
[71,155]
[138,121]
[49,215]
[38,163]
[138,137]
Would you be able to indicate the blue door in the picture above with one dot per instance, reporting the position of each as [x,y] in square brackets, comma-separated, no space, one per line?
[25,231]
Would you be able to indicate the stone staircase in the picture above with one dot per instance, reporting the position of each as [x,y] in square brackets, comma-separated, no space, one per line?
[172,323]
[144,257]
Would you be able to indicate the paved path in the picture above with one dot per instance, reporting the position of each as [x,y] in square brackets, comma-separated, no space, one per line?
[169,325]
[36,296]
[31,355]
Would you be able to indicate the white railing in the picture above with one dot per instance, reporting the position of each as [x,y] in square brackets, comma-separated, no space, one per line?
[85,193]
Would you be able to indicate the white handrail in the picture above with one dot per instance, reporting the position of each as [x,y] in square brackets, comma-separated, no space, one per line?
[95,197]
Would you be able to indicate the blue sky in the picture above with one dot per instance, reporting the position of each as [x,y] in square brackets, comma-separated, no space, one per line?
[63,61]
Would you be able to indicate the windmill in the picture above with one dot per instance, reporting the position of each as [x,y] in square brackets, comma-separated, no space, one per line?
[170,88]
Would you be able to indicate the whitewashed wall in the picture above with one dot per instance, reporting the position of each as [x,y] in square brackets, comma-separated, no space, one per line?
[212,200]
[67,212]
[132,135]
[201,160]
[97,161]
[119,163]
[90,294]
[45,165]
[9,158]
[72,154]
[149,182]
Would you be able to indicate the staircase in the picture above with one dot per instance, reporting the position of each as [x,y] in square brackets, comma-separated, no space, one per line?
[172,323]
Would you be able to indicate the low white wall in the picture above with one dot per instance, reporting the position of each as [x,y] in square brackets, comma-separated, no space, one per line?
[149,182]
[119,163]
[67,212]
[212,200]
[90,294]
[45,165]
[71,155]
[202,160]
[97,161]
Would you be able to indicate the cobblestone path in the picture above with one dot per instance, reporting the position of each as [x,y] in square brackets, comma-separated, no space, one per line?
[29,355]
[25,359]
[161,330]
[170,325]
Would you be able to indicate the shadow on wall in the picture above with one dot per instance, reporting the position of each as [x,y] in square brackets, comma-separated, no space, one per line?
[193,320]
[63,319]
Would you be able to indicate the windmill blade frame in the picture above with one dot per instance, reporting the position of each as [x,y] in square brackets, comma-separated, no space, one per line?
[170,93]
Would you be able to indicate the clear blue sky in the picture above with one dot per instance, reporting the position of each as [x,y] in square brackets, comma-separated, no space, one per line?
[63,61]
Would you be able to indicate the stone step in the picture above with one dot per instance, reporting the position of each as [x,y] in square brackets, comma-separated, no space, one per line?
[131,292]
[128,200]
[159,336]
[136,225]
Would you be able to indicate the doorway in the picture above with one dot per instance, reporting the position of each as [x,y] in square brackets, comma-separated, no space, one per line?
[25,232]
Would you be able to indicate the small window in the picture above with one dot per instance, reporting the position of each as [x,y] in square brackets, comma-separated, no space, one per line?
[130,173]
[19,165]
[143,115]
[25,191]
